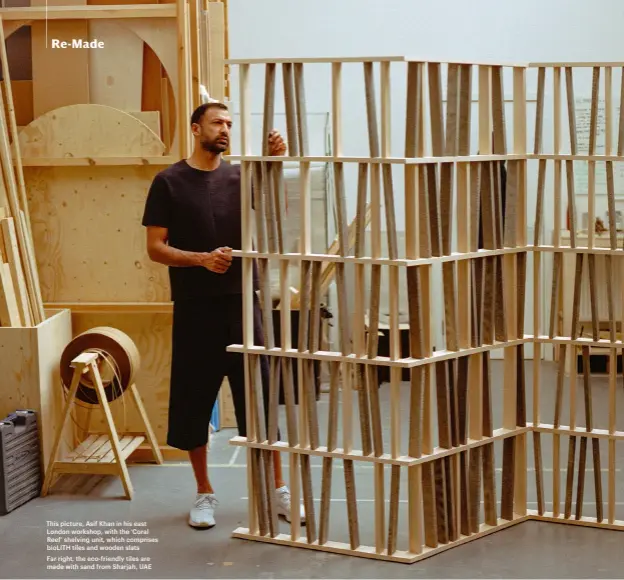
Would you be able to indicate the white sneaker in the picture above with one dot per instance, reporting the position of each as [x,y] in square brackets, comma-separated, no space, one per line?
[282,499]
[202,514]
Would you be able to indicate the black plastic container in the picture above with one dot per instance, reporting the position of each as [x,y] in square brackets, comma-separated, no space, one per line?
[20,460]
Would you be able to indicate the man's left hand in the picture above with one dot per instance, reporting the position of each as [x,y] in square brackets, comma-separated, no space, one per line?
[277,146]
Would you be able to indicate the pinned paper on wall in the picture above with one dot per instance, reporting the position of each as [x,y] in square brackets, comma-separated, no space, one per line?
[583,130]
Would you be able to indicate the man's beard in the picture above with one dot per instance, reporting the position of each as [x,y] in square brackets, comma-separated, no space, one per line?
[212,146]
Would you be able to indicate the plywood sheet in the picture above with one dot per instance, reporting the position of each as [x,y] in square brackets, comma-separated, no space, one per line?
[23,101]
[115,71]
[216,25]
[89,242]
[62,74]
[150,118]
[19,54]
[89,131]
[162,38]
[29,358]
[152,335]
[151,95]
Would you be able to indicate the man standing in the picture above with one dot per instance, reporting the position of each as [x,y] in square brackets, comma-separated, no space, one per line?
[193,220]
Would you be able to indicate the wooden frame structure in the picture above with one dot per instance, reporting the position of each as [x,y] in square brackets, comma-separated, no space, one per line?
[591,251]
[445,442]
[91,143]
[100,453]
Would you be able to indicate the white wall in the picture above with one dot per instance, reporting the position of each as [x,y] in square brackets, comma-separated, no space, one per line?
[519,32]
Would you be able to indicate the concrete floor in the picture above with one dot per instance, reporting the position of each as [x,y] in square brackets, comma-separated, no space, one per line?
[163,495]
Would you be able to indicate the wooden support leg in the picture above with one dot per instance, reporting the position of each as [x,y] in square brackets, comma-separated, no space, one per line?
[151,437]
[112,431]
[79,364]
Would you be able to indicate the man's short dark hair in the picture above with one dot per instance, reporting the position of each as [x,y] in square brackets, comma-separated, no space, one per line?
[199,112]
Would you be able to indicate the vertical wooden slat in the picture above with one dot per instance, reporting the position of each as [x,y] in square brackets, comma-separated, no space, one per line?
[184,82]
[436,108]
[508,480]
[265,514]
[395,347]
[371,110]
[570,477]
[620,148]
[415,221]
[451,148]
[537,149]
[498,111]
[613,354]
[336,84]
[359,337]
[489,486]
[352,515]
[291,112]
[302,118]
[608,111]
[539,110]
[465,109]
[475,487]
[485,110]
[571,109]
[591,186]
[332,439]
[245,106]
[393,526]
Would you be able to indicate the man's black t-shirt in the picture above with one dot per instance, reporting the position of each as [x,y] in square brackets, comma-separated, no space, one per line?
[202,211]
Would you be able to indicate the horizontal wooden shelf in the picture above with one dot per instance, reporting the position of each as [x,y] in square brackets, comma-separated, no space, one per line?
[576,157]
[315,159]
[575,64]
[484,63]
[95,454]
[463,159]
[579,250]
[311,60]
[401,262]
[87,12]
[404,363]
[329,546]
[583,521]
[581,341]
[577,431]
[441,355]
[356,59]
[386,458]
[97,161]
[320,355]
[371,552]
[97,307]
[427,160]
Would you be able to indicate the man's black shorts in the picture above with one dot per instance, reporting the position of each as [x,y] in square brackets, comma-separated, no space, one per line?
[202,331]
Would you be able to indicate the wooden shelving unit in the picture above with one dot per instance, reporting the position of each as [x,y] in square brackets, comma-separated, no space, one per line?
[87,181]
[447,450]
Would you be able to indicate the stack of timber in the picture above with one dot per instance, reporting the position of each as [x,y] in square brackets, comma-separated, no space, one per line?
[20,294]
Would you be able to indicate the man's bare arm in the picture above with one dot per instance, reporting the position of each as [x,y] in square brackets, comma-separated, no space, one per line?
[159,251]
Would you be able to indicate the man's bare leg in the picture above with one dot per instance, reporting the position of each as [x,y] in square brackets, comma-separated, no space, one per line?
[199,461]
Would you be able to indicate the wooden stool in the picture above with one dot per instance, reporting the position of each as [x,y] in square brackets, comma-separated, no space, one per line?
[99,453]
